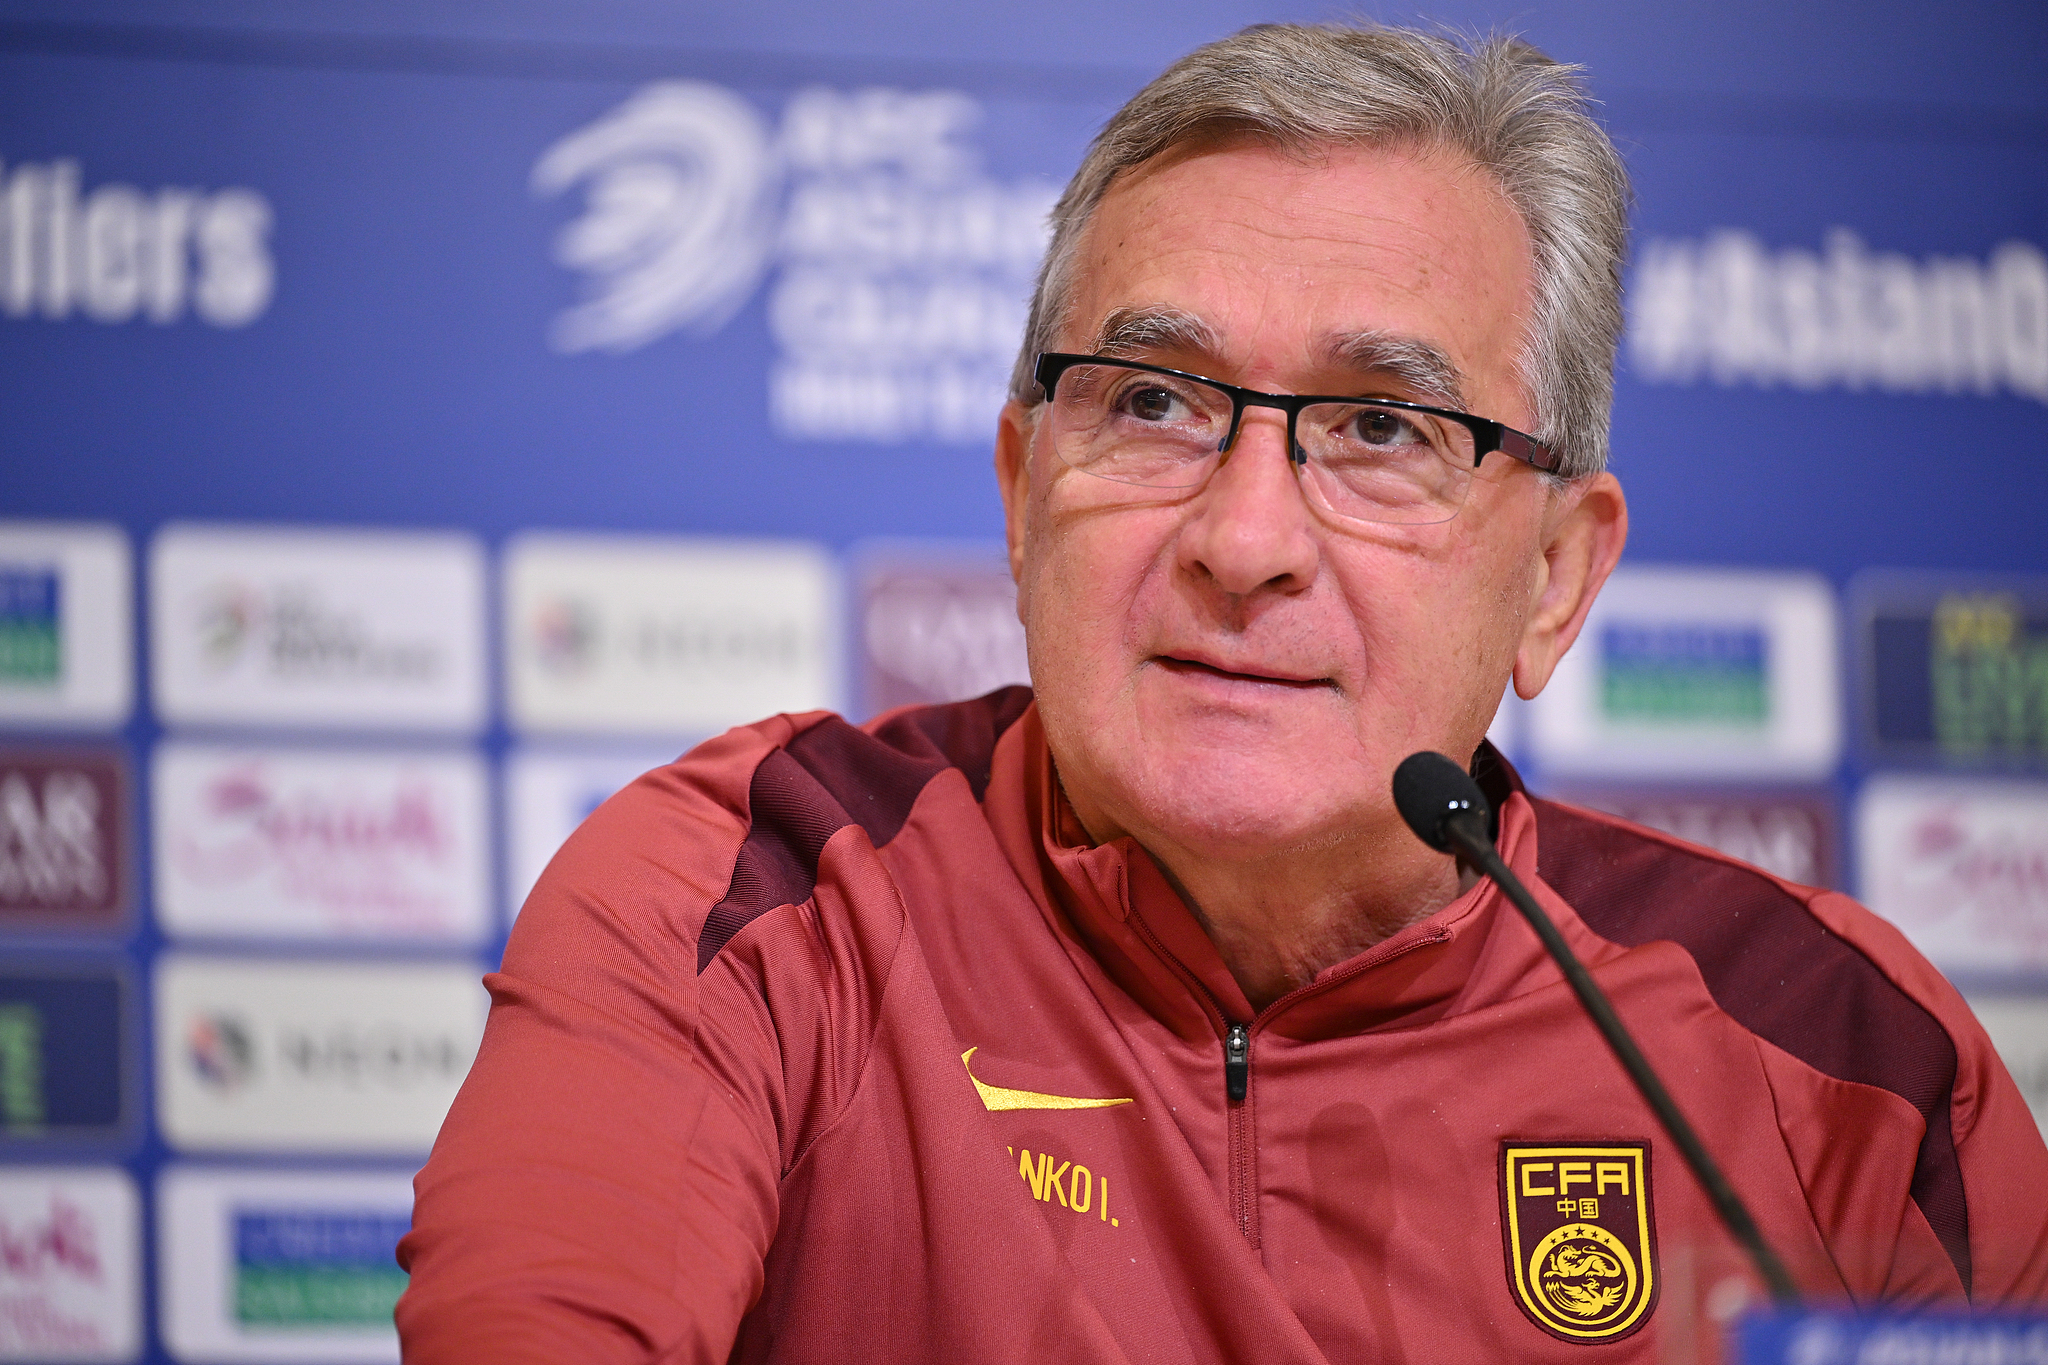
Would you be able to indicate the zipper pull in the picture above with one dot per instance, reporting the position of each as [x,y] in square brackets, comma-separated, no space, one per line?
[1237,1062]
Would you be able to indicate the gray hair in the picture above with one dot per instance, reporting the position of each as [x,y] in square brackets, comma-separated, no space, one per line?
[1511,109]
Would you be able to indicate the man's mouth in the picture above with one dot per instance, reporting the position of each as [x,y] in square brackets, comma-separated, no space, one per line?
[1181,664]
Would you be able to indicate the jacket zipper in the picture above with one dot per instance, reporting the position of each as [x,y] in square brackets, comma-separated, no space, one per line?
[1241,1156]
[1243,1146]
[1237,1063]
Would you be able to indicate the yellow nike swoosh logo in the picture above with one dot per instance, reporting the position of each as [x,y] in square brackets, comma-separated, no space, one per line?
[998,1097]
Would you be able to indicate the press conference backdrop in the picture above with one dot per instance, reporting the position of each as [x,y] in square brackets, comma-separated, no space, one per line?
[416,422]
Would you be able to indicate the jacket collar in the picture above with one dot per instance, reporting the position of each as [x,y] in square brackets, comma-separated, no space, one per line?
[1111,903]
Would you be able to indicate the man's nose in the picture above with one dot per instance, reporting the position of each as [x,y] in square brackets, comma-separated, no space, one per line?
[1250,527]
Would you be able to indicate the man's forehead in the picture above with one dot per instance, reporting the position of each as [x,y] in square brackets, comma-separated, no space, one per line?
[1363,269]
[1147,331]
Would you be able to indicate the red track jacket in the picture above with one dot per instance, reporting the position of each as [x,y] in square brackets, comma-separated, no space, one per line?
[829,1044]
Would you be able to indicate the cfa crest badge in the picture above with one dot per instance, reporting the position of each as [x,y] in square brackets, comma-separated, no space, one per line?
[1580,1240]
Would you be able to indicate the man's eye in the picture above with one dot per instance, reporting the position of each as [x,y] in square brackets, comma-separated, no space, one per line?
[1384,427]
[1151,404]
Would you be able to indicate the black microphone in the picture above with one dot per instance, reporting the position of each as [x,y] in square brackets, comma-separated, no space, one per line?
[1447,811]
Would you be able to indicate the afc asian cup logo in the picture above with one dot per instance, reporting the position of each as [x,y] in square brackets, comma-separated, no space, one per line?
[1580,1241]
[678,221]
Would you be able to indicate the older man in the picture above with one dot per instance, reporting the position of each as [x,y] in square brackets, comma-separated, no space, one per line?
[1130,1021]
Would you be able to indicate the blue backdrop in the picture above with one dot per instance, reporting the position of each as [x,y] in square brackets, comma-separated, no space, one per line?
[432,266]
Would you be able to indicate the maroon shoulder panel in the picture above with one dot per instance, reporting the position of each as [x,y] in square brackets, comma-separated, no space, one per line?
[834,775]
[1777,970]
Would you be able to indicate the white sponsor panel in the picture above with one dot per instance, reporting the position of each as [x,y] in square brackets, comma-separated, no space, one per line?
[70,1264]
[1697,673]
[1731,310]
[645,635]
[1960,865]
[896,267]
[255,1055]
[548,793]
[2018,1025]
[311,844]
[274,1266]
[317,628]
[67,624]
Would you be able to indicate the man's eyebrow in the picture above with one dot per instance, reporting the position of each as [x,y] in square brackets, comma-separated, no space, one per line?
[1420,366]
[1142,329]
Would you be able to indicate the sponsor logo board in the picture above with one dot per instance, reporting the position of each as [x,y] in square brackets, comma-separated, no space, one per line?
[64,1053]
[1789,834]
[66,625]
[311,1057]
[1955,669]
[1697,672]
[626,635]
[305,844]
[70,1264]
[65,829]
[317,628]
[895,266]
[1960,865]
[548,793]
[2018,1025]
[938,623]
[281,1265]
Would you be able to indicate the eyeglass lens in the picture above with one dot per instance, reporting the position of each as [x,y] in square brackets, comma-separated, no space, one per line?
[1365,462]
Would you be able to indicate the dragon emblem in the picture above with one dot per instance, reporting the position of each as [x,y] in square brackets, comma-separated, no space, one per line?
[1572,1281]
[1580,1236]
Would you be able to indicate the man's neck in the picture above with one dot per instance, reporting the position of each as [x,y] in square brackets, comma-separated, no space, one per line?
[1279,920]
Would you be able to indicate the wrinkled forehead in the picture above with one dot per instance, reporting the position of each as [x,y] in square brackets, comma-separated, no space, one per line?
[1388,258]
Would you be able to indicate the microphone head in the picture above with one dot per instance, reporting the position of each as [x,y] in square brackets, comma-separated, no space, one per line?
[1428,790]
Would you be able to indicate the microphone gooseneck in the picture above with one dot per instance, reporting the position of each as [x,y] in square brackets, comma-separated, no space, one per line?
[1444,806]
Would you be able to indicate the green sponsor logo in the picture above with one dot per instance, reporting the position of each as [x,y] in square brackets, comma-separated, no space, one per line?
[1685,674]
[305,1296]
[29,617]
[1989,677]
[317,1268]
[23,1108]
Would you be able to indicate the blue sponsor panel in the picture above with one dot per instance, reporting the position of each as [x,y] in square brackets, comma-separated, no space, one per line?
[1820,1338]
[65,1058]
[1954,669]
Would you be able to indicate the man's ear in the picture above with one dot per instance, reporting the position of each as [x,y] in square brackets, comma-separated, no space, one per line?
[1013,480]
[1585,530]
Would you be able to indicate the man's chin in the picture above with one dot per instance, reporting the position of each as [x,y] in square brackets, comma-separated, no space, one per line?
[1246,812]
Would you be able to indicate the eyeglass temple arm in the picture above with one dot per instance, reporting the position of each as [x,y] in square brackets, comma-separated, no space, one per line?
[1520,446]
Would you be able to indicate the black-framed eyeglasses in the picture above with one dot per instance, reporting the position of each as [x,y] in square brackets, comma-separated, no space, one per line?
[1376,460]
